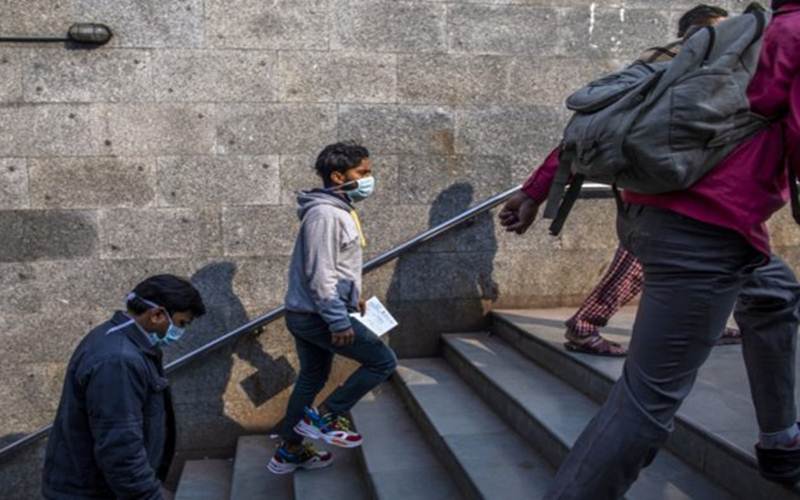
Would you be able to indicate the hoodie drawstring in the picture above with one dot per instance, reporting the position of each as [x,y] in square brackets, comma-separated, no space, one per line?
[354,215]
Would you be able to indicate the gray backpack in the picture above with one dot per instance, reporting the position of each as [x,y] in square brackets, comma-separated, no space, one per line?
[660,127]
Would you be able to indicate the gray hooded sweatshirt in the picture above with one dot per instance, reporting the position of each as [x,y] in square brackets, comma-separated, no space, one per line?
[325,272]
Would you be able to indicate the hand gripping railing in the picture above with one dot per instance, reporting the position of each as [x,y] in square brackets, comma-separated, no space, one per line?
[589,191]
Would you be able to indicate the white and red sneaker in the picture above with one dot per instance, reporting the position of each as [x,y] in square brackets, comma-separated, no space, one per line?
[286,462]
[333,429]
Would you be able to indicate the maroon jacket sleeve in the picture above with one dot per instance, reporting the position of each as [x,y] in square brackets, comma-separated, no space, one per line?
[538,184]
[792,129]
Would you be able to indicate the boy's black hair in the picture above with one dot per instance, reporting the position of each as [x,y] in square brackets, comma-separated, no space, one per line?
[339,157]
[171,292]
[702,15]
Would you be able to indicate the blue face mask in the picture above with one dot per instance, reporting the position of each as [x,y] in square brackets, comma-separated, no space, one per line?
[174,333]
[363,190]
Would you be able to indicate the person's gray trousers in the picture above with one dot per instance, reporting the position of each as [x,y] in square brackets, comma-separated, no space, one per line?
[694,273]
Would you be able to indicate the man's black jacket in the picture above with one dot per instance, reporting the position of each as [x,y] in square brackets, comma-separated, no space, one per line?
[114,433]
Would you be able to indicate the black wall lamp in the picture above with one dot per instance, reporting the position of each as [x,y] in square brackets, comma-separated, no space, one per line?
[85,33]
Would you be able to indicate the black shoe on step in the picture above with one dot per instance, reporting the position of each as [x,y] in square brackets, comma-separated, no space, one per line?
[779,465]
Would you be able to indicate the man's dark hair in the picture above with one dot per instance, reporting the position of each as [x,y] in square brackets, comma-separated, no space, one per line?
[339,157]
[173,293]
[702,15]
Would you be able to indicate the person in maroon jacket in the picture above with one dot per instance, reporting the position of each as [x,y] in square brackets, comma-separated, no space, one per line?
[700,249]
[624,277]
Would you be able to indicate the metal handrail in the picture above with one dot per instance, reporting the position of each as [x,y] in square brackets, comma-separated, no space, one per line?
[589,190]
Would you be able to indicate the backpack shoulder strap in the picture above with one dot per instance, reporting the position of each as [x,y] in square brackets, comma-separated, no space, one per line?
[762,19]
[571,196]
[794,195]
[560,182]
[560,200]
[712,41]
[658,54]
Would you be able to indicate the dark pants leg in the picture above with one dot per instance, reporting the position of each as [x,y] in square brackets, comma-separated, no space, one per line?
[315,367]
[313,338]
[378,362]
[767,315]
[693,274]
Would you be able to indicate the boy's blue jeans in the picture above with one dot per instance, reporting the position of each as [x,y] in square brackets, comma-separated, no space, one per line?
[315,351]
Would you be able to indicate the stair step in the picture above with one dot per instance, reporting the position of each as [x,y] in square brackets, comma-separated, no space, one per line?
[485,456]
[342,480]
[551,414]
[205,480]
[397,460]
[715,428]
[251,479]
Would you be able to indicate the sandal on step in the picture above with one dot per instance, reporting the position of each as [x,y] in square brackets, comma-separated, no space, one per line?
[597,346]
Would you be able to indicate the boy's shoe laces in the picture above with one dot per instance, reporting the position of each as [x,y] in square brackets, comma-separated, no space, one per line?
[338,422]
[309,451]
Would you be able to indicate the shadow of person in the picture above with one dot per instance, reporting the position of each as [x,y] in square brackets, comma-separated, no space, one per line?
[202,389]
[447,284]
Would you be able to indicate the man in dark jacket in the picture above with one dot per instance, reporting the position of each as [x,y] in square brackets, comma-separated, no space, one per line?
[114,433]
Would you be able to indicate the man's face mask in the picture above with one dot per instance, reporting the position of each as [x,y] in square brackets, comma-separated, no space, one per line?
[174,332]
[363,189]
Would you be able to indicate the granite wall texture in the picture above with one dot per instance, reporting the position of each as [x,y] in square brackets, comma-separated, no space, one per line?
[178,147]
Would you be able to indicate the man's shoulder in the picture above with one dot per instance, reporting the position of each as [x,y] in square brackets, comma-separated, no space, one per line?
[93,342]
[123,363]
[327,209]
[326,213]
[104,346]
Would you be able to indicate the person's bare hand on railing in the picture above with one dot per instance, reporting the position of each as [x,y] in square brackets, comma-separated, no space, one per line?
[518,213]
[344,338]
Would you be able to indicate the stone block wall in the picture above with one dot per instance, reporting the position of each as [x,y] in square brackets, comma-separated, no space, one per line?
[179,146]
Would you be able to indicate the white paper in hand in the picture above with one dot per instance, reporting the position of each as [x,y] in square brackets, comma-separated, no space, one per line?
[378,319]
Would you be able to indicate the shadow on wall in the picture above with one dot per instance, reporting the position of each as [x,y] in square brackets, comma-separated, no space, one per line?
[201,391]
[446,285]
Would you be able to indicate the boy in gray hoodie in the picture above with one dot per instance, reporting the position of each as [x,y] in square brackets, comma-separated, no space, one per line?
[324,288]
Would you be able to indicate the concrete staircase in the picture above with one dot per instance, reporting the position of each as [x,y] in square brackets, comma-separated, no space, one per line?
[494,416]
